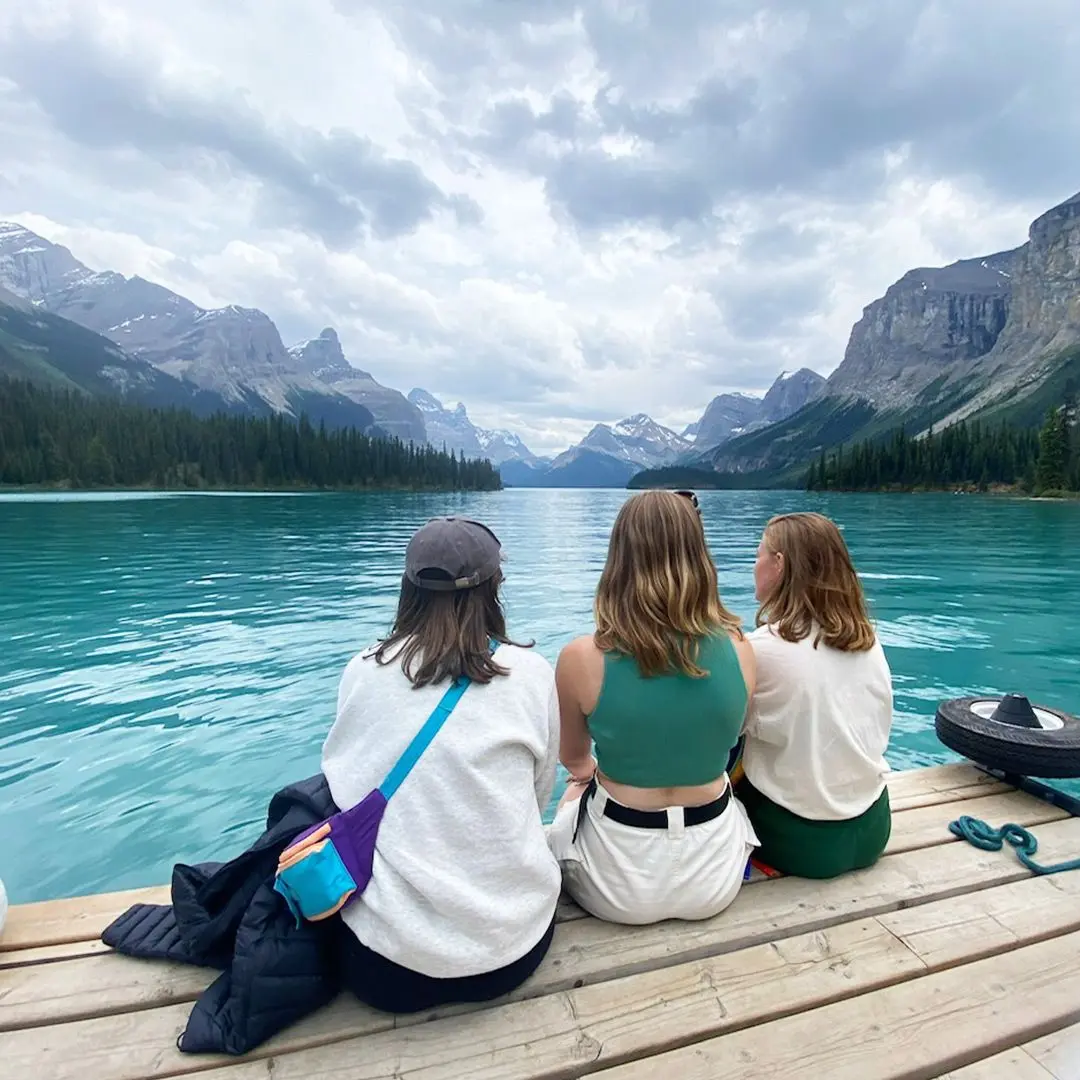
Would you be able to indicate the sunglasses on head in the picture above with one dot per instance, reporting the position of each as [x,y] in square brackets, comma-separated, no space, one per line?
[692,497]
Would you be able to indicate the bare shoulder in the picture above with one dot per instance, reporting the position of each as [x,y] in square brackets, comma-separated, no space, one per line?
[579,651]
[580,661]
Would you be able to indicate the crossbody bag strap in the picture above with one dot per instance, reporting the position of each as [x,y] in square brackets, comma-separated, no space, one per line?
[422,739]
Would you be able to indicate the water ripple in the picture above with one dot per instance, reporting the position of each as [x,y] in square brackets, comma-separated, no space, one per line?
[171,660]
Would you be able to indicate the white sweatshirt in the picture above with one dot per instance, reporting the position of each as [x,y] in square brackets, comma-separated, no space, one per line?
[463,881]
[817,726]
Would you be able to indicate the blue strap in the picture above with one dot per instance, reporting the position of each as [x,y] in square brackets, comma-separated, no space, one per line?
[422,739]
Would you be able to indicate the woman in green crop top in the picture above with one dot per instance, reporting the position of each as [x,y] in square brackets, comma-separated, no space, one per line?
[649,828]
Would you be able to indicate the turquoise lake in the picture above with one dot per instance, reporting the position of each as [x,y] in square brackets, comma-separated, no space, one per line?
[170,661]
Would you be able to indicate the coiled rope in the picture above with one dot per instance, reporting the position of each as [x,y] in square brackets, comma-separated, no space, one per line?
[986,837]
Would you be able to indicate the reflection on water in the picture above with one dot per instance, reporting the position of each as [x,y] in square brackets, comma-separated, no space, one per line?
[170,661]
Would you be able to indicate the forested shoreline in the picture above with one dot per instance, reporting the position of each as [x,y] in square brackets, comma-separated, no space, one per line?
[52,438]
[976,456]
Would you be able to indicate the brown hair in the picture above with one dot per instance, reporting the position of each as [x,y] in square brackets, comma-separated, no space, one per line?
[818,585]
[446,634]
[658,593]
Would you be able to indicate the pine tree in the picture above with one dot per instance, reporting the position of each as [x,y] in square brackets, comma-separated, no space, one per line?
[1051,473]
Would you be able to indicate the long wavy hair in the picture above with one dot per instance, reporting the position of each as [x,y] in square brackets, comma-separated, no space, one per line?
[658,594]
[818,586]
[439,635]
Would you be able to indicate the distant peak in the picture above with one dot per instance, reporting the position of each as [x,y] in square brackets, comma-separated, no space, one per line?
[329,334]
[425,401]
[459,409]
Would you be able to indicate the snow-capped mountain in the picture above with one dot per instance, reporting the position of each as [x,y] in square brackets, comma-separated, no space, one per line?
[453,429]
[500,446]
[233,352]
[607,457]
[638,439]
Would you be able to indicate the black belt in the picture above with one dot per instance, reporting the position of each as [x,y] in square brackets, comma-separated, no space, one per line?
[652,819]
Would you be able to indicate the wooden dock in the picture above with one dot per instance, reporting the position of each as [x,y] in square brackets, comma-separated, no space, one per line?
[940,961]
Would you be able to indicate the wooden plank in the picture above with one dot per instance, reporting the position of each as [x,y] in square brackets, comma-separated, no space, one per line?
[130,1045]
[586,1029]
[909,783]
[940,783]
[47,954]
[975,790]
[928,825]
[1014,1064]
[912,1031]
[1058,1053]
[988,921]
[1053,1057]
[81,918]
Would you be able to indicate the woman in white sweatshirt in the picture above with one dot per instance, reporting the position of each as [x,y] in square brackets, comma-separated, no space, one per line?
[463,890]
[819,721]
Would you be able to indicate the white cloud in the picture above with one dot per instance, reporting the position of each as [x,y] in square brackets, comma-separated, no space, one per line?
[557,213]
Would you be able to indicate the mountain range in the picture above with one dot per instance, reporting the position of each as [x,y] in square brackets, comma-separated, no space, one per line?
[994,337]
[103,332]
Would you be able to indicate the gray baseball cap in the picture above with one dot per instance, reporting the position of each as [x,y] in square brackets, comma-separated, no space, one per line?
[466,551]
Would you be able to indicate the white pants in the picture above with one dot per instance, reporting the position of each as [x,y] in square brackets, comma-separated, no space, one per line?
[627,874]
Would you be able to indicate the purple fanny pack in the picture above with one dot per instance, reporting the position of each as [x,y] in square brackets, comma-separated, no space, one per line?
[328,866]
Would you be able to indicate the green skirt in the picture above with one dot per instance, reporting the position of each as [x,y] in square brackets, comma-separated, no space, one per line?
[815,849]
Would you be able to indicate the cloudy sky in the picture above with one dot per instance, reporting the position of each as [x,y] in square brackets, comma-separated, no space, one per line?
[556,211]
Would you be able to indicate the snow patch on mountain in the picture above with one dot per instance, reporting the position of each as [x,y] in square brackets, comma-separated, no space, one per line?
[452,428]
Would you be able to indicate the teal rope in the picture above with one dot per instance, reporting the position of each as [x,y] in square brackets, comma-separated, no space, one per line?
[984,836]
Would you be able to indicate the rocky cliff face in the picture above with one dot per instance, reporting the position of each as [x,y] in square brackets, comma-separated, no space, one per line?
[981,336]
[1043,322]
[791,391]
[323,358]
[926,325]
[726,416]
[731,415]
[233,353]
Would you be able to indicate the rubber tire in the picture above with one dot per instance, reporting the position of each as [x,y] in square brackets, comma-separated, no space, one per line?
[1026,751]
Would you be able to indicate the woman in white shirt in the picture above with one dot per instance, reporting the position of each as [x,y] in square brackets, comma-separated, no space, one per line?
[819,722]
[463,890]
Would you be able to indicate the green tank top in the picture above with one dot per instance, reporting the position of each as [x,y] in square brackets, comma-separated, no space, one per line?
[669,730]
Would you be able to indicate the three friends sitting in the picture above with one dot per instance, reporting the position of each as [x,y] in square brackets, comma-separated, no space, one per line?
[647,715]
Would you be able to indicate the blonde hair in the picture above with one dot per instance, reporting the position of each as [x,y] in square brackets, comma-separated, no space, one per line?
[658,593]
[818,585]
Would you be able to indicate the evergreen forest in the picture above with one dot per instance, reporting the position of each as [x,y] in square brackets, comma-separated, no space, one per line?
[68,439]
[967,456]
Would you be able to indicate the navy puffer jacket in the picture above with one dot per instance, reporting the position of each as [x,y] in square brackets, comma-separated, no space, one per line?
[227,916]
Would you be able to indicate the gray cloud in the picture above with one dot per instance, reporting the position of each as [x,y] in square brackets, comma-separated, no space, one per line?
[947,85]
[335,185]
[678,198]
